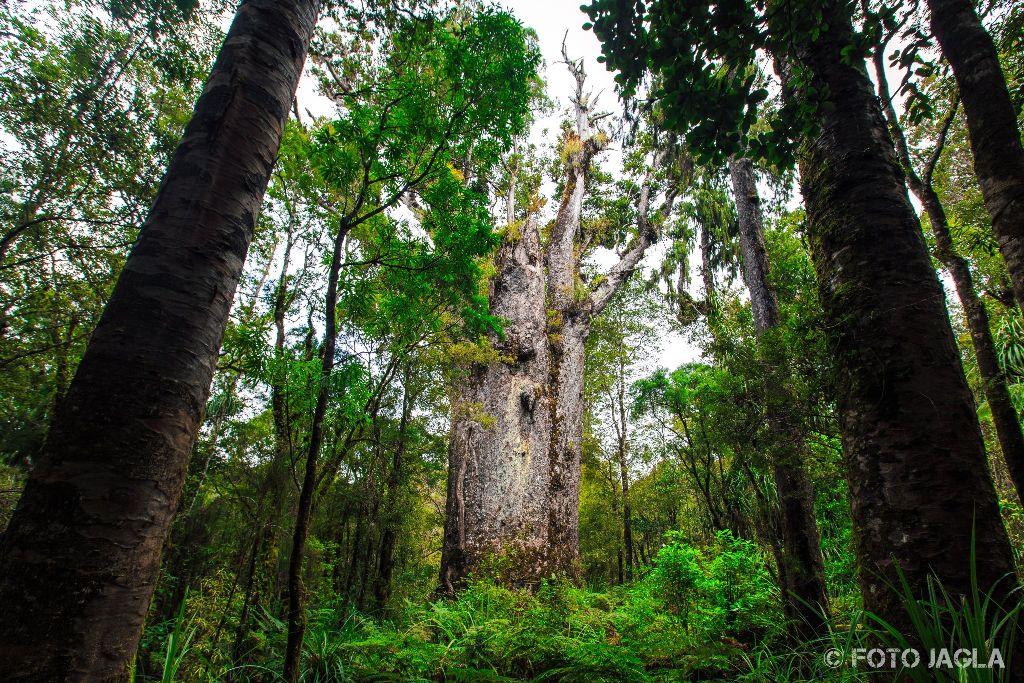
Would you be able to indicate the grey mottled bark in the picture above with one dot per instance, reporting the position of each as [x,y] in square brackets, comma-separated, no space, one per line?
[515,450]
[763,301]
[498,450]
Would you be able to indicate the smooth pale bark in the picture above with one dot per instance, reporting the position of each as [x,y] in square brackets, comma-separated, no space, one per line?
[802,569]
[919,485]
[80,557]
[992,124]
[994,384]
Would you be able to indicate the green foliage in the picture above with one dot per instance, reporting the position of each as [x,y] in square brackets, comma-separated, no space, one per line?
[427,115]
[1009,340]
[92,107]
[178,642]
[697,55]
[984,620]
[407,169]
[561,633]
[723,588]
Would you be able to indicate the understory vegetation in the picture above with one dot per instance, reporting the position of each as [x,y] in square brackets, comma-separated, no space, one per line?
[707,613]
[701,613]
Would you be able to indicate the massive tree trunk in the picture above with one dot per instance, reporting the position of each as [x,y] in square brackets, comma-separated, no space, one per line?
[80,557]
[803,576]
[992,123]
[920,489]
[994,384]
[565,451]
[517,428]
[498,450]
[568,328]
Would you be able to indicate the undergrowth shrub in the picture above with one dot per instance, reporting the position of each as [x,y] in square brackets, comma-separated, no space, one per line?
[723,588]
[703,612]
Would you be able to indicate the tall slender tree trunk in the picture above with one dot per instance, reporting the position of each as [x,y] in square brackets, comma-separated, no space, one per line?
[994,384]
[80,557]
[627,514]
[389,536]
[614,490]
[618,407]
[804,590]
[992,124]
[296,590]
[920,489]
[272,489]
[248,596]
[707,271]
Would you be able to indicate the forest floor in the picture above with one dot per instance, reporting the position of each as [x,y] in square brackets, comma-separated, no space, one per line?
[707,614]
[560,633]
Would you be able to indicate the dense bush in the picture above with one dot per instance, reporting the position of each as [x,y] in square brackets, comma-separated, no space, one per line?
[722,588]
[703,612]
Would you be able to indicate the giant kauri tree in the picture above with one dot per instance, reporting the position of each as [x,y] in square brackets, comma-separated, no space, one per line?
[403,127]
[514,455]
[382,390]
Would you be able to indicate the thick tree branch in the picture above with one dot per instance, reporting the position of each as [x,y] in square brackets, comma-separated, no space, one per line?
[647,234]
